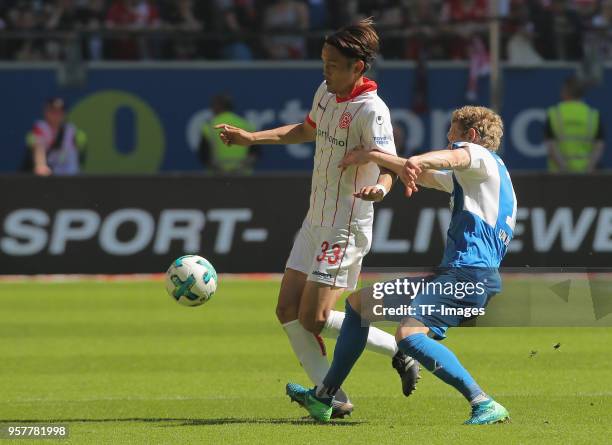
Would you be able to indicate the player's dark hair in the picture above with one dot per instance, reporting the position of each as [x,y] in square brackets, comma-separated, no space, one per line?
[573,87]
[222,102]
[358,41]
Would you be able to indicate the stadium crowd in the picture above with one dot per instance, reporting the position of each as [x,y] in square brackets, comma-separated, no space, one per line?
[533,30]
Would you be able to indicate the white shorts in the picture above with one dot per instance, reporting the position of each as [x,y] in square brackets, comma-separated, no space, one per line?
[329,255]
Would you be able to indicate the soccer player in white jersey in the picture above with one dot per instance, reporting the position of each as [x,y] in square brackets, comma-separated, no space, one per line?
[482,224]
[336,234]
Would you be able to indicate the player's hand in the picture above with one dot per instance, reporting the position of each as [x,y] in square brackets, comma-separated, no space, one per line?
[409,174]
[370,193]
[357,156]
[231,135]
[42,170]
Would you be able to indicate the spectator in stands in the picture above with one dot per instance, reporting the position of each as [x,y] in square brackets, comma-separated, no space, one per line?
[388,15]
[214,154]
[181,16]
[586,10]
[93,15]
[518,35]
[237,17]
[559,30]
[27,16]
[602,25]
[54,146]
[466,19]
[68,15]
[131,15]
[574,132]
[285,16]
[422,17]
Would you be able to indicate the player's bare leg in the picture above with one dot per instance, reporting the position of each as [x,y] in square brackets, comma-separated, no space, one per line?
[308,347]
[289,296]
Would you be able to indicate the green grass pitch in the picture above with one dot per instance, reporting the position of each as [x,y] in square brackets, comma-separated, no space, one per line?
[121,363]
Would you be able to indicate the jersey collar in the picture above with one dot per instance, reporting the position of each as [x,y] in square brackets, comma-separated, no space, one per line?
[367,86]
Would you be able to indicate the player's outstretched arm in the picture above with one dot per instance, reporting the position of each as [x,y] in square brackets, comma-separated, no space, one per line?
[390,165]
[287,134]
[457,159]
[359,156]
[422,169]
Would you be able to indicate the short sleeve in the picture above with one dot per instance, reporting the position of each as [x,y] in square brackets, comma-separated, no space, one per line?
[38,136]
[311,117]
[480,161]
[377,131]
[444,179]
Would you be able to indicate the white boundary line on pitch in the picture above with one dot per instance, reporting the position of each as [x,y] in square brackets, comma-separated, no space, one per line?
[107,278]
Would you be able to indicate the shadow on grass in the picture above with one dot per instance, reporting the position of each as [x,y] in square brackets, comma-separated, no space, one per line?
[189,422]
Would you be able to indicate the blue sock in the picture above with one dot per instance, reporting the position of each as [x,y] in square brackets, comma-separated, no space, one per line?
[440,360]
[351,343]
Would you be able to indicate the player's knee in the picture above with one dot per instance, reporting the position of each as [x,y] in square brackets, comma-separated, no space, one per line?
[286,312]
[408,328]
[313,324]
[355,301]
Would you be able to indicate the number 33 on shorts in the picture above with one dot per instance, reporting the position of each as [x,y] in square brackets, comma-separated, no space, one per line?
[331,256]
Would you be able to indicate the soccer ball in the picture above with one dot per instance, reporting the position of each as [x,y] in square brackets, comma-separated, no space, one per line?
[191,280]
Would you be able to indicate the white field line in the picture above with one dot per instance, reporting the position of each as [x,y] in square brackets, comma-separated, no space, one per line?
[73,278]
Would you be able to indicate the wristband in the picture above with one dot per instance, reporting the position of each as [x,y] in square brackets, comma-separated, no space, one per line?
[382,188]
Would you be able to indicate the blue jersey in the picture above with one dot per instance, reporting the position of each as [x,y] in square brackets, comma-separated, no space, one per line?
[483,206]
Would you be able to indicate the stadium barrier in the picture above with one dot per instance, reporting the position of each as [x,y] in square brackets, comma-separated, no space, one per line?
[138,224]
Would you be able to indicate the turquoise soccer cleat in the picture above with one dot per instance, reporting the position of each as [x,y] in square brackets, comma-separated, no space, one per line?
[317,409]
[297,393]
[487,413]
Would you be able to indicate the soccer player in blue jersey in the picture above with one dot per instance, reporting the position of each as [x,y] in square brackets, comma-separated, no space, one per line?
[483,217]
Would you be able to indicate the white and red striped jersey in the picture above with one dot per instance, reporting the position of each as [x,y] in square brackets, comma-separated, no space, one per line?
[343,124]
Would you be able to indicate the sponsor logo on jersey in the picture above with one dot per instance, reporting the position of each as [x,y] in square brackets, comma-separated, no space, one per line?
[331,139]
[345,120]
[382,140]
[379,120]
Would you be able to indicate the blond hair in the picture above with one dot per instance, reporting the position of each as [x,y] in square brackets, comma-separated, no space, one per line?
[485,121]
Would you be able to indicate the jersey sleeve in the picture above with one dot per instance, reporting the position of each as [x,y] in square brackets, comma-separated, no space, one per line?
[37,136]
[480,161]
[443,179]
[311,117]
[377,131]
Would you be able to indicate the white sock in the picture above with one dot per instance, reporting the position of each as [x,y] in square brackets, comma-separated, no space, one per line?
[378,340]
[310,351]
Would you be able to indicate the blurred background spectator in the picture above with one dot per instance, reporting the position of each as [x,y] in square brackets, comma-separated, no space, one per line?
[130,15]
[574,132]
[215,155]
[285,16]
[54,146]
[533,30]
[182,17]
[235,19]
